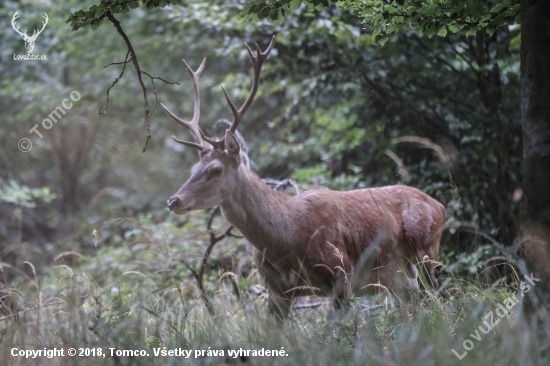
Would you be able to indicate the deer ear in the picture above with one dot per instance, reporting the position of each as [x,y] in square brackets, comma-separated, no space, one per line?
[232,146]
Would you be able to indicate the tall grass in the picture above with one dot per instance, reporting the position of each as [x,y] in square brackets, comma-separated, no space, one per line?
[141,296]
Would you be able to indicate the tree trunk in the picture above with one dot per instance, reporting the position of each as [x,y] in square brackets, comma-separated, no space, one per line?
[535,115]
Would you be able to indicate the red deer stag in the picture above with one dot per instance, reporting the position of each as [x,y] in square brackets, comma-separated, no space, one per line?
[313,242]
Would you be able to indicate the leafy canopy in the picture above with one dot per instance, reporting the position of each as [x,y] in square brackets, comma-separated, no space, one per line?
[385,17]
[94,15]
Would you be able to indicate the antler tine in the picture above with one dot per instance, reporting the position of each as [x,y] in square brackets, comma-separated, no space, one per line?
[257,62]
[13,22]
[193,125]
[216,144]
[43,25]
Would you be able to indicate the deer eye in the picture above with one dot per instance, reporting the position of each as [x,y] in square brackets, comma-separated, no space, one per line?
[217,170]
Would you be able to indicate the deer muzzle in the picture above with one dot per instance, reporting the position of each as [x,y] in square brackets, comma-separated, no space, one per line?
[175,204]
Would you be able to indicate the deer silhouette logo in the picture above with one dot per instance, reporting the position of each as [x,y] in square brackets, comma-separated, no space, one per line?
[29,40]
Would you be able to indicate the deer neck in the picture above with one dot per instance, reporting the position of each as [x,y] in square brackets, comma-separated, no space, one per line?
[259,212]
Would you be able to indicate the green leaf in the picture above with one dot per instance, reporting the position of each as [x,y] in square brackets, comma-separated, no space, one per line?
[430,9]
[280,18]
[453,28]
[442,32]
[134,4]
[472,31]
[264,12]
[295,4]
[274,14]
[286,9]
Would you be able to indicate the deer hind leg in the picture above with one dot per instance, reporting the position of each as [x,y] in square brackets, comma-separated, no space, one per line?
[406,278]
[428,265]
[401,278]
[341,296]
[279,307]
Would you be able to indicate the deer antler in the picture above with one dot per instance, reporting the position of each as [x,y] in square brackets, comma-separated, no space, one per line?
[201,141]
[25,35]
[193,125]
[257,62]
[36,33]
[13,19]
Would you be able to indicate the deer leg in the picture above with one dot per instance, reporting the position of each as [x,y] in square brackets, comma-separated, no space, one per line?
[341,292]
[278,304]
[428,266]
[279,307]
[403,276]
[411,278]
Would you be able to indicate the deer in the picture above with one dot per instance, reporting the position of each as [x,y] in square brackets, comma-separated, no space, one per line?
[29,40]
[319,242]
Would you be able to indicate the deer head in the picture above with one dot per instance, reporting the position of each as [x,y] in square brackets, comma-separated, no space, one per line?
[29,40]
[216,174]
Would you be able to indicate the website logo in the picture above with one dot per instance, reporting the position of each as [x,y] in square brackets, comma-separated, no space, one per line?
[29,40]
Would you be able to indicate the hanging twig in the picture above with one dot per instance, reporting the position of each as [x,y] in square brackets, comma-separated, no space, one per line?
[148,112]
[103,109]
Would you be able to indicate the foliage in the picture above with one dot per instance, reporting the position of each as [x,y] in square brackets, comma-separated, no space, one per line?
[385,18]
[330,106]
[16,194]
[93,17]
[350,102]
[133,296]
[334,109]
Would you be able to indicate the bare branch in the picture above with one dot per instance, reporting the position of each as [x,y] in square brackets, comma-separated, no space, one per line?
[103,110]
[133,58]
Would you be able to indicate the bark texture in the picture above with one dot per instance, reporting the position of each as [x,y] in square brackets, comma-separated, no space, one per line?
[535,114]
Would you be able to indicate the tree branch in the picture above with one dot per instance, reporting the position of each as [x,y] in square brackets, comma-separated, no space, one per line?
[133,58]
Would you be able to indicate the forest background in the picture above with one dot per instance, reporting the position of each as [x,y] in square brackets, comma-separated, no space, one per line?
[336,108]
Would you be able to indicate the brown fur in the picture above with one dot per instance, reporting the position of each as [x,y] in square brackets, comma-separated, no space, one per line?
[322,242]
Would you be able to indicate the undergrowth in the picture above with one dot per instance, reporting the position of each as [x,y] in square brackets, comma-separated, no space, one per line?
[141,295]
